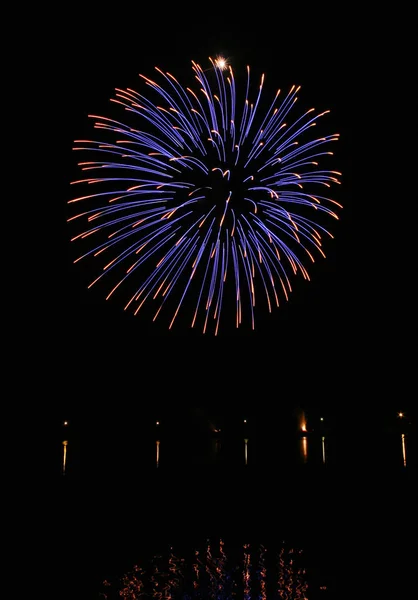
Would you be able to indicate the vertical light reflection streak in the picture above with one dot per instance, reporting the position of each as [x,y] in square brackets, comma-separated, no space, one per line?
[246,450]
[262,574]
[323,449]
[196,571]
[403,449]
[174,577]
[208,569]
[157,444]
[220,572]
[155,582]
[64,456]
[246,572]
[304,448]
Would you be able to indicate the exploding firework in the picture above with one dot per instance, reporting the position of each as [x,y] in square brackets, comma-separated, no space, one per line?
[205,201]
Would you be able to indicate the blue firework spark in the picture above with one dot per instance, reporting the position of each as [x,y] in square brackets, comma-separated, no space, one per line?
[207,200]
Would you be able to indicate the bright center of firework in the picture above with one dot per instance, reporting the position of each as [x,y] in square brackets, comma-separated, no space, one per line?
[221,63]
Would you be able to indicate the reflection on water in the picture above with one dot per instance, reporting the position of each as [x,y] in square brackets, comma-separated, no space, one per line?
[64,456]
[403,449]
[304,448]
[211,572]
[320,447]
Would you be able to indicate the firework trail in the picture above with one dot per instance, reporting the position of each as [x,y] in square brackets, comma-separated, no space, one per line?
[203,200]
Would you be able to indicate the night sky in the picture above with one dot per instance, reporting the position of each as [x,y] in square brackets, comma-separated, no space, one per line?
[342,344]
[332,343]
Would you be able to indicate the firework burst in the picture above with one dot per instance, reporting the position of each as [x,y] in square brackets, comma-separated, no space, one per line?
[205,200]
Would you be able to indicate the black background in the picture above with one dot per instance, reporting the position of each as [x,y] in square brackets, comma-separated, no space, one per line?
[343,341]
[95,344]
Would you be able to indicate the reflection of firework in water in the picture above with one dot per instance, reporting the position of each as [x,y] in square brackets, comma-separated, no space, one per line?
[211,574]
[205,198]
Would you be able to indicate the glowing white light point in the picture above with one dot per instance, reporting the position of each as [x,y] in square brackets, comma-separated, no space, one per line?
[221,63]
